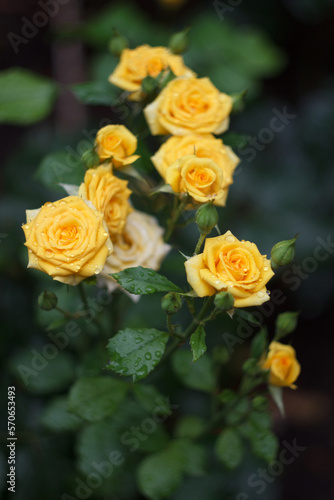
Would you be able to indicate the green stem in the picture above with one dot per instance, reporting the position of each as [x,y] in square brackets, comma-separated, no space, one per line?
[176,212]
[85,302]
[191,328]
[67,314]
[199,243]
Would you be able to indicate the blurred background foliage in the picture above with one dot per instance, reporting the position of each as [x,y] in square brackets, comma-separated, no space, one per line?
[282,52]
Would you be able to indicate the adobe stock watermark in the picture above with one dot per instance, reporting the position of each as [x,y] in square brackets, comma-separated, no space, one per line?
[223,8]
[262,477]
[265,136]
[59,340]
[131,439]
[30,27]
[292,277]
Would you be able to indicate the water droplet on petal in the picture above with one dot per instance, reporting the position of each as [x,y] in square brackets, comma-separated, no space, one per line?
[266,268]
[48,254]
[260,294]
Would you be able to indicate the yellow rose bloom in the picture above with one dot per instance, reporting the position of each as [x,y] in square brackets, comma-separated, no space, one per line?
[189,106]
[201,178]
[283,365]
[136,64]
[230,265]
[67,240]
[141,244]
[203,146]
[118,143]
[109,194]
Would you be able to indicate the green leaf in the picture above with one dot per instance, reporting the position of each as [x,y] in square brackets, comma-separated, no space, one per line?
[25,97]
[259,344]
[136,352]
[197,375]
[240,313]
[149,398]
[189,426]
[143,281]
[197,342]
[97,397]
[194,456]
[160,474]
[98,92]
[57,418]
[229,448]
[263,442]
[237,412]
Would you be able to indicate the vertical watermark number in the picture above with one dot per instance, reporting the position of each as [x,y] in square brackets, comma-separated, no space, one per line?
[11,440]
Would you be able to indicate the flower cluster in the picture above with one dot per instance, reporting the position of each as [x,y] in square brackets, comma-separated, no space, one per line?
[99,232]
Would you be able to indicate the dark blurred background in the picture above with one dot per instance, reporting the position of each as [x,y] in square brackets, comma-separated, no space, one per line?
[282,52]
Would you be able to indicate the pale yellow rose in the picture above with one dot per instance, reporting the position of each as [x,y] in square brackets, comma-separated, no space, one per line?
[201,178]
[203,146]
[117,143]
[141,244]
[136,64]
[109,194]
[230,265]
[189,106]
[283,365]
[67,239]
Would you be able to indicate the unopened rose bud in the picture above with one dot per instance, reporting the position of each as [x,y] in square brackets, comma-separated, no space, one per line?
[286,323]
[171,303]
[117,43]
[47,300]
[206,218]
[149,85]
[224,301]
[90,158]
[283,252]
[178,43]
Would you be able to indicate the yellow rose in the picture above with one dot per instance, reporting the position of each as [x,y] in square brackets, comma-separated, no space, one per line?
[109,194]
[189,106]
[203,146]
[118,143]
[230,265]
[67,240]
[201,178]
[136,64]
[141,244]
[283,365]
